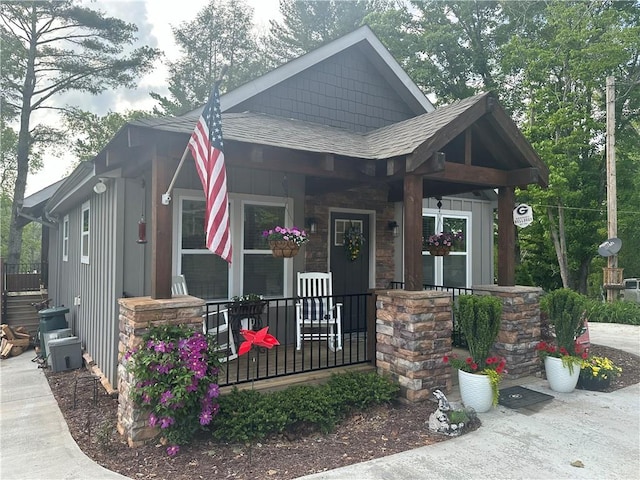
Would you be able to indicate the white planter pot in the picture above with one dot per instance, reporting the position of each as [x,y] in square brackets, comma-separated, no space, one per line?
[475,391]
[559,377]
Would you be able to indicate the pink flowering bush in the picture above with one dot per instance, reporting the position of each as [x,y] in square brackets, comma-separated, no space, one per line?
[176,372]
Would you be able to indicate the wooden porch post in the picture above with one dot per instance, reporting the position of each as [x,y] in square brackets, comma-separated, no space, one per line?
[506,237]
[161,235]
[413,232]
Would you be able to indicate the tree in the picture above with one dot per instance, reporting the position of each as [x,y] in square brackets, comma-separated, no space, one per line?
[92,132]
[307,25]
[557,65]
[219,36]
[53,47]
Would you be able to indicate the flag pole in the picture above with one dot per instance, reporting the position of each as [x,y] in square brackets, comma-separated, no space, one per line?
[166,197]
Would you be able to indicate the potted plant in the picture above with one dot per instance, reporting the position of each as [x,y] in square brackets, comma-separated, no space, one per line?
[562,361]
[596,373]
[285,242]
[479,376]
[250,305]
[440,244]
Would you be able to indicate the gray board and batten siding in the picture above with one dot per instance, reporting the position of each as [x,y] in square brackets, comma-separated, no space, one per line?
[97,284]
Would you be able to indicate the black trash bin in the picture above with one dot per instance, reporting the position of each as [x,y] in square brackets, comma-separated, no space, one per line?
[51,319]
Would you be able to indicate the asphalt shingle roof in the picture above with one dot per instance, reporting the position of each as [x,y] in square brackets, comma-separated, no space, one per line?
[401,138]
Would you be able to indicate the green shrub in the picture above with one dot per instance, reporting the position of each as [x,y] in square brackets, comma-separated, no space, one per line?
[566,311]
[615,312]
[249,415]
[479,317]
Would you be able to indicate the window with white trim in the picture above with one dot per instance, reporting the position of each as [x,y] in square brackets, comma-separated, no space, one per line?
[65,238]
[253,269]
[452,270]
[84,233]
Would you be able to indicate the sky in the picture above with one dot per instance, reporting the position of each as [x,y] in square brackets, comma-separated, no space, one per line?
[154,19]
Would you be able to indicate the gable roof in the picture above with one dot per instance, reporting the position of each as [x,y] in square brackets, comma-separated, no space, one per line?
[369,45]
[402,138]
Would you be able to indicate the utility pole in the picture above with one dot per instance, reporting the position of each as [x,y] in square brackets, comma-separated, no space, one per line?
[612,204]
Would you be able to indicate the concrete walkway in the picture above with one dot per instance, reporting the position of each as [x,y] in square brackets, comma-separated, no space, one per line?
[602,430]
[35,442]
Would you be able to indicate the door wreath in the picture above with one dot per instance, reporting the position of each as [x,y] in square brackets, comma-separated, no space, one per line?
[353,241]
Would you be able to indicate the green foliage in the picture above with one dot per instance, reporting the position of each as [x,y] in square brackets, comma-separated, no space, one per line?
[614,312]
[249,415]
[479,318]
[566,311]
[175,372]
[220,35]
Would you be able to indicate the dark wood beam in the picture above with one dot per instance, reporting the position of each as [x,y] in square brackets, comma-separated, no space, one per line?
[506,237]
[451,130]
[413,232]
[161,222]
[467,146]
[435,164]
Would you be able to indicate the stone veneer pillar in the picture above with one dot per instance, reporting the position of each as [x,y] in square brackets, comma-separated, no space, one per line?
[413,333]
[520,329]
[137,315]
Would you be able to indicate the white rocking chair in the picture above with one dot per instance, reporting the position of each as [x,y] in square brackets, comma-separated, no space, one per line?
[317,317]
[220,323]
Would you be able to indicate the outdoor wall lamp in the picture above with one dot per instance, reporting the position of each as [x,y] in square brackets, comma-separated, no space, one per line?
[394,227]
[312,225]
[100,187]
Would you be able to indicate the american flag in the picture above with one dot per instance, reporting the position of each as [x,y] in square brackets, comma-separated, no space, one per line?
[206,148]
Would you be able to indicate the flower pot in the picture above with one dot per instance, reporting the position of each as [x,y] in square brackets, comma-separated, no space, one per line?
[560,378]
[283,248]
[439,251]
[589,382]
[475,391]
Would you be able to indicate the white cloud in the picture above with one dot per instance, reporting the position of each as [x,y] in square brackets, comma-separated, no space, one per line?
[154,20]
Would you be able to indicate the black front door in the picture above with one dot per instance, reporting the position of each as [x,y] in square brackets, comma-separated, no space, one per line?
[350,275]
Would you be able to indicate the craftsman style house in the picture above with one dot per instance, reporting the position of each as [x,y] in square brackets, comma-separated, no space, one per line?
[339,137]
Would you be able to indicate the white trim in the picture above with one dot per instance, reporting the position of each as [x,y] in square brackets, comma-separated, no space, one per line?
[84,256]
[468,216]
[237,203]
[65,238]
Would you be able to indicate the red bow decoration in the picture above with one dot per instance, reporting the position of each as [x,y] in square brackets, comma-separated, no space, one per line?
[260,339]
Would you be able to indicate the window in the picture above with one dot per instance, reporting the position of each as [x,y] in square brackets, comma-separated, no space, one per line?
[450,270]
[262,273]
[206,274]
[84,234]
[65,238]
[341,226]
[254,268]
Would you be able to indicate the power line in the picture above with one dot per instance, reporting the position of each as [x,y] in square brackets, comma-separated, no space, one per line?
[601,210]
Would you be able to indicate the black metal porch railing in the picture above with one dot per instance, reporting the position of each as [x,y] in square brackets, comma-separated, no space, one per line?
[24,277]
[283,360]
[457,337]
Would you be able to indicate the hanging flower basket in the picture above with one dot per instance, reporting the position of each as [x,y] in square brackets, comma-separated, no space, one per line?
[284,248]
[439,251]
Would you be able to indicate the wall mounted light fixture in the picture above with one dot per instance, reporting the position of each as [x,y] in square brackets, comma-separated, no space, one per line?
[394,227]
[100,187]
[312,225]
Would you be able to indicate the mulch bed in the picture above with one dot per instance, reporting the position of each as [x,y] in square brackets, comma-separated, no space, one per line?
[381,431]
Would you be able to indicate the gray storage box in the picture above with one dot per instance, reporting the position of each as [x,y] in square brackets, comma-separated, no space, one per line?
[52,335]
[65,354]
